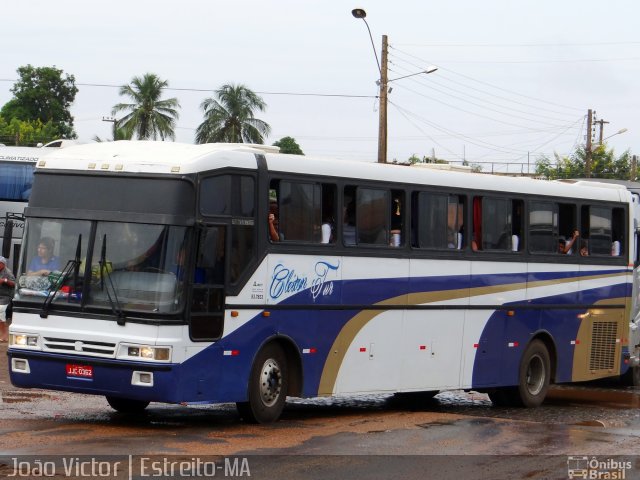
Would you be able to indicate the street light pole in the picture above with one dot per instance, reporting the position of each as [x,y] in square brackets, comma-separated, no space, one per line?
[382,124]
[383,83]
[112,120]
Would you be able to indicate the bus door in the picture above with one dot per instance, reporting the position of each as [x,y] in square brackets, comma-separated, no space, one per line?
[208,293]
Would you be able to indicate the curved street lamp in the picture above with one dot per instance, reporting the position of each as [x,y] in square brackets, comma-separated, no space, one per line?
[382,82]
[622,130]
[360,13]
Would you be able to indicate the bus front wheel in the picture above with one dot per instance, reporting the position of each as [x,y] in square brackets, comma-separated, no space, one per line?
[268,384]
[126,405]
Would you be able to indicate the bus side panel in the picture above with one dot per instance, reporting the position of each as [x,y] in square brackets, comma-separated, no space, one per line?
[431,350]
[495,285]
[367,355]
[504,337]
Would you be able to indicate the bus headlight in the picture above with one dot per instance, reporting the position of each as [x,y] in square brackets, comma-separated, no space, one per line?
[23,340]
[146,352]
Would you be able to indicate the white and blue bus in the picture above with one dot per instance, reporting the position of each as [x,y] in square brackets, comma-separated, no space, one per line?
[16,176]
[167,283]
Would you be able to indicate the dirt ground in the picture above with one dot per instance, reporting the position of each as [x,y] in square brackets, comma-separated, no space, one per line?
[4,366]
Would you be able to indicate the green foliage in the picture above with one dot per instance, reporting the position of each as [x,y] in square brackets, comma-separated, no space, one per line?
[289,145]
[42,93]
[604,164]
[148,117]
[26,133]
[230,118]
[121,134]
[416,159]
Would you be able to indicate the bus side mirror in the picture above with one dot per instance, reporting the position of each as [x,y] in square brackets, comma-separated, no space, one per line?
[6,238]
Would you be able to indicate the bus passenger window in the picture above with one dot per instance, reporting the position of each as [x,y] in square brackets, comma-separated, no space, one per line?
[497,224]
[300,210]
[543,227]
[328,227]
[397,218]
[604,227]
[438,220]
[349,217]
[372,214]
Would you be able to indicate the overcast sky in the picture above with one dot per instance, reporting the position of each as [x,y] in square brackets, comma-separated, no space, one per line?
[515,78]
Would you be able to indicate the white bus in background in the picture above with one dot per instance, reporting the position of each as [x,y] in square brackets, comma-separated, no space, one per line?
[16,176]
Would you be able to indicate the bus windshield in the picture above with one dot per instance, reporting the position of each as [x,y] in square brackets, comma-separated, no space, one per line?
[94,264]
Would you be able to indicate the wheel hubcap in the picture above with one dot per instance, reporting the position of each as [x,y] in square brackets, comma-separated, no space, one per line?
[535,375]
[270,382]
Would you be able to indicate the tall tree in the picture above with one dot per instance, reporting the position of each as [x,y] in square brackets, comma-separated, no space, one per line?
[148,117]
[289,145]
[230,118]
[44,94]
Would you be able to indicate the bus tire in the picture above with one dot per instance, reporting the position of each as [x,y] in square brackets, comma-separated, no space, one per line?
[268,386]
[534,375]
[126,405]
[414,398]
[503,396]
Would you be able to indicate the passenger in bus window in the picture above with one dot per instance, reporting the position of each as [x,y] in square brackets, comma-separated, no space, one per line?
[327,230]
[274,234]
[45,262]
[584,248]
[349,224]
[566,246]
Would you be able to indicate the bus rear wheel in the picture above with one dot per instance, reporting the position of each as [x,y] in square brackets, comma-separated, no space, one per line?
[126,405]
[632,377]
[534,375]
[268,386]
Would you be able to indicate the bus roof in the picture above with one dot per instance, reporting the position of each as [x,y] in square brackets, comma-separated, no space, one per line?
[182,158]
[23,154]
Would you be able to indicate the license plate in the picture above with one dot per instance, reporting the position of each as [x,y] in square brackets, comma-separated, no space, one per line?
[79,371]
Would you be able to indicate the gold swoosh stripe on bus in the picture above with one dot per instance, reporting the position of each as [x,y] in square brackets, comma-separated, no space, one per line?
[354,325]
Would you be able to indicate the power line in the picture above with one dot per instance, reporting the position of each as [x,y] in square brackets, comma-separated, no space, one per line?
[537,115]
[491,94]
[502,89]
[209,90]
[509,45]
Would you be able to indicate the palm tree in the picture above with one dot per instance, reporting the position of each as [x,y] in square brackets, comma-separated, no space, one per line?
[230,119]
[149,116]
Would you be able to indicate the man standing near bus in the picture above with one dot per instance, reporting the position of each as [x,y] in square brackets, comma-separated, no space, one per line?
[7,284]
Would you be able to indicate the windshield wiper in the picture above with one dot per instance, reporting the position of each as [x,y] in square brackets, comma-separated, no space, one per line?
[71,266]
[116,308]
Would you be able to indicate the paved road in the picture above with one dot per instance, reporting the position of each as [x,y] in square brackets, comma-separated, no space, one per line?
[358,437]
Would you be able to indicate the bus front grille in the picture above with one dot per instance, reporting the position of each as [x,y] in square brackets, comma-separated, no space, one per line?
[79,347]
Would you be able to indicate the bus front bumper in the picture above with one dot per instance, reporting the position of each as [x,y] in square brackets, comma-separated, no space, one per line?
[96,376]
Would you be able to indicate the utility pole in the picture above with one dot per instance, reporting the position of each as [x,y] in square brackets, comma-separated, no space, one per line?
[634,168]
[382,127]
[601,122]
[115,128]
[587,159]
